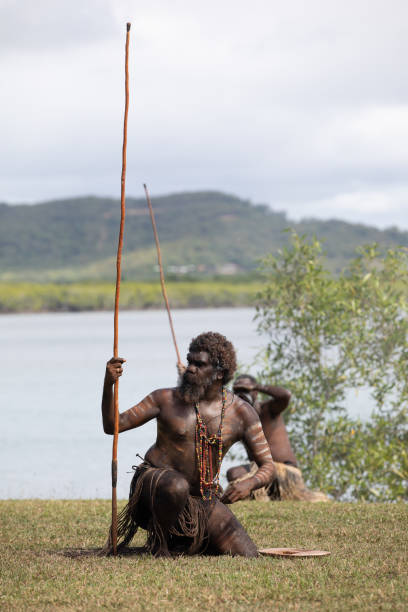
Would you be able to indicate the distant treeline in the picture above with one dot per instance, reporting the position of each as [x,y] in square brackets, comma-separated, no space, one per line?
[75,297]
[202,234]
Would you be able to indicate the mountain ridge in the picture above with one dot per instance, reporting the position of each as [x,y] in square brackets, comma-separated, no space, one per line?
[202,233]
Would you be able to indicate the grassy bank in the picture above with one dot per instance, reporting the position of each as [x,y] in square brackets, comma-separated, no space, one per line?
[364,572]
[72,297]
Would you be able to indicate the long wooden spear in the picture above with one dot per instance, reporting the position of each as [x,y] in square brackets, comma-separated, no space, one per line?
[114,526]
[163,286]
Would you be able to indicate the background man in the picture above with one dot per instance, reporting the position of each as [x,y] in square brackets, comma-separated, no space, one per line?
[287,482]
[175,493]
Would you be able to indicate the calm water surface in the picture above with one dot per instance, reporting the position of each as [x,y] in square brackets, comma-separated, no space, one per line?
[51,442]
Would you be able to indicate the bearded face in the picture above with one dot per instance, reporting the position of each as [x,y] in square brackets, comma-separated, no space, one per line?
[198,376]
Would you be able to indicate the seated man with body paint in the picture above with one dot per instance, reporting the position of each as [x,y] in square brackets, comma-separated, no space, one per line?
[287,483]
[175,494]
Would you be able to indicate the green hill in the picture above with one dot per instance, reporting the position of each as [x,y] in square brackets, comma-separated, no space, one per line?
[201,233]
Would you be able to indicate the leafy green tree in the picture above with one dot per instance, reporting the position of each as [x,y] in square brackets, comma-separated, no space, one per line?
[375,284]
[326,335]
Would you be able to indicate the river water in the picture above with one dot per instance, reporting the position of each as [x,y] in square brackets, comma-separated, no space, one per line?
[52,366]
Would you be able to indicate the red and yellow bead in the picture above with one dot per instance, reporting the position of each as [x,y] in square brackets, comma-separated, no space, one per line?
[209,484]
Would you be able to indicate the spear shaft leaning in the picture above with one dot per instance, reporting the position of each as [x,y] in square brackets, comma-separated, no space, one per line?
[163,286]
[114,526]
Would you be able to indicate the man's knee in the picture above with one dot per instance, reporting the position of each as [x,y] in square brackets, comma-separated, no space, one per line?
[237,472]
[174,485]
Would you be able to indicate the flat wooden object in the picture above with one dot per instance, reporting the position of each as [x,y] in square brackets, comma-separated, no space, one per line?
[292,552]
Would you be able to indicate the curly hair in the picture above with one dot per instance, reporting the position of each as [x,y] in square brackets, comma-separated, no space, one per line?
[221,352]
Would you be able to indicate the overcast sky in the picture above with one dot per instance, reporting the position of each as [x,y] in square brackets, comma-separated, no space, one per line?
[302,105]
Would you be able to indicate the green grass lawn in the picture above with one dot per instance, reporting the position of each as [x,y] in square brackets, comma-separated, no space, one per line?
[365,571]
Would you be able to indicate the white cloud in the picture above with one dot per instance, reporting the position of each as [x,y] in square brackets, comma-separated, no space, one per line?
[51,25]
[383,208]
[300,105]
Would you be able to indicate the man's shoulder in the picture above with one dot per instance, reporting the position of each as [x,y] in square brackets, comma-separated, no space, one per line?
[164,395]
[244,409]
[164,391]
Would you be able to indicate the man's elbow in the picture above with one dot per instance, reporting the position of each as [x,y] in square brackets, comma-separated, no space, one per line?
[286,397]
[282,400]
[108,429]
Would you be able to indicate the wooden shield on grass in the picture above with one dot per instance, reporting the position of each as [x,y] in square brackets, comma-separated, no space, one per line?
[292,552]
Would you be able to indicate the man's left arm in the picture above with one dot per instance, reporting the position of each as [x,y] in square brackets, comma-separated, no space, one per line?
[280,398]
[254,439]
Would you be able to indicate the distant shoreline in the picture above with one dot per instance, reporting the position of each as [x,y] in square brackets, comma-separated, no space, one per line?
[26,298]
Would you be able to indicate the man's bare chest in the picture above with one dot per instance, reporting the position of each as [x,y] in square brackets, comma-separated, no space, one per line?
[182,424]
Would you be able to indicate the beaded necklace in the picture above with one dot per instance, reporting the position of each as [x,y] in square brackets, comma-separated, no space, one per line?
[209,483]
